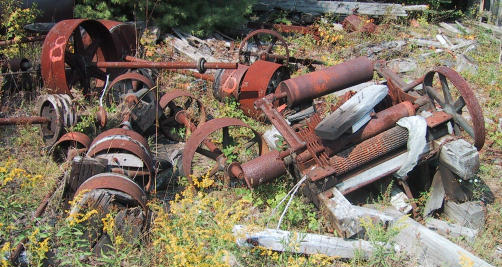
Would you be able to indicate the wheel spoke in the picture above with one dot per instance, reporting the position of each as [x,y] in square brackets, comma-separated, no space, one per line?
[91,50]
[446,90]
[257,41]
[271,45]
[227,139]
[462,122]
[78,42]
[432,93]
[207,153]
[97,73]
[459,104]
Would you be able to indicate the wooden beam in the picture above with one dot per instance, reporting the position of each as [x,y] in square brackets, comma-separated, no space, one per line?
[335,7]
[304,243]
[451,230]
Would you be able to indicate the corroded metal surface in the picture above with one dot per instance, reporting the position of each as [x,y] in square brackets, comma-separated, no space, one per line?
[124,37]
[261,79]
[444,98]
[59,110]
[354,23]
[263,168]
[117,182]
[57,56]
[306,87]
[229,82]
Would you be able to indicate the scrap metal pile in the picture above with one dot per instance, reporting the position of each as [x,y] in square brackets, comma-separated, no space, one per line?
[344,148]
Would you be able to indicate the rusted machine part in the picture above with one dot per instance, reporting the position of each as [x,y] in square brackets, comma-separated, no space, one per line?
[56,56]
[322,82]
[15,65]
[261,79]
[201,66]
[206,77]
[362,153]
[130,81]
[58,108]
[397,87]
[290,136]
[71,144]
[24,120]
[28,39]
[115,181]
[264,53]
[124,37]
[380,122]
[123,140]
[354,23]
[229,82]
[454,106]
[260,169]
[202,132]
[51,10]
[312,30]
[179,113]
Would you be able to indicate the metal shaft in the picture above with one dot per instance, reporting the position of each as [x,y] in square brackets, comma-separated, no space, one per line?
[24,120]
[165,65]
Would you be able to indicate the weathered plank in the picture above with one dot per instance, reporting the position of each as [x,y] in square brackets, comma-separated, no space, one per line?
[304,243]
[461,158]
[451,230]
[435,201]
[82,168]
[335,7]
[469,214]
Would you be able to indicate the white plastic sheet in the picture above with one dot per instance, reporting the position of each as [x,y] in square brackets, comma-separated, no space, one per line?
[417,129]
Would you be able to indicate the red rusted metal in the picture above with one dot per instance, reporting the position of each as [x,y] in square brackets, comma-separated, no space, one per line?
[262,169]
[437,118]
[124,140]
[312,30]
[354,23]
[361,154]
[70,145]
[171,95]
[24,120]
[115,181]
[206,77]
[201,134]
[316,84]
[28,39]
[443,98]
[124,36]
[264,52]
[229,82]
[74,137]
[135,79]
[164,65]
[56,55]
[59,110]
[260,80]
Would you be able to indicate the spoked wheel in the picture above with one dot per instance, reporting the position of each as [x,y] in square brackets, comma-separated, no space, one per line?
[69,53]
[70,145]
[126,83]
[266,45]
[181,109]
[214,145]
[441,90]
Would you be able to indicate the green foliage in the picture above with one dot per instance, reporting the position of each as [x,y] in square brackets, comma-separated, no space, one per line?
[381,240]
[198,17]
[12,20]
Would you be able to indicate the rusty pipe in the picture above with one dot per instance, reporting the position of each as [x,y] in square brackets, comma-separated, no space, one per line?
[259,170]
[206,77]
[24,120]
[319,83]
[165,65]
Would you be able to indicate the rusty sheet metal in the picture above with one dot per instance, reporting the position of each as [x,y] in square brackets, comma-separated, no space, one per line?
[77,137]
[24,120]
[258,82]
[454,106]
[264,53]
[306,87]
[263,169]
[115,181]
[362,153]
[229,82]
[206,129]
[437,118]
[354,23]
[124,37]
[56,57]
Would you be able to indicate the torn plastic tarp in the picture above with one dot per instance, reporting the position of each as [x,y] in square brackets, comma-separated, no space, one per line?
[417,129]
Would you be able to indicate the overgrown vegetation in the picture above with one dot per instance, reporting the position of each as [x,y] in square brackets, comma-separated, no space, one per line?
[216,15]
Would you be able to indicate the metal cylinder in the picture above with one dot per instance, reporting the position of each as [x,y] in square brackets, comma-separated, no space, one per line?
[24,120]
[164,65]
[318,83]
[263,168]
